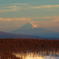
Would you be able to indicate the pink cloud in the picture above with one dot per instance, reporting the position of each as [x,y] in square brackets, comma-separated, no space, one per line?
[15,19]
[5,19]
[48,18]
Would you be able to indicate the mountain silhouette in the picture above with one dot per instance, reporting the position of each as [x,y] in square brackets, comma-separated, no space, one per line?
[10,35]
[28,29]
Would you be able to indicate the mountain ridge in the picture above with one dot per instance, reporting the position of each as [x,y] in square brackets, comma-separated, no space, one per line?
[10,35]
[38,31]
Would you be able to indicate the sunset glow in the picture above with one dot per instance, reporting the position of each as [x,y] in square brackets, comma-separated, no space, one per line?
[15,13]
[31,57]
[35,26]
[28,56]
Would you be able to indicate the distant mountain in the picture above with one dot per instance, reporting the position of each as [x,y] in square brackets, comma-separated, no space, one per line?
[26,26]
[28,29]
[9,35]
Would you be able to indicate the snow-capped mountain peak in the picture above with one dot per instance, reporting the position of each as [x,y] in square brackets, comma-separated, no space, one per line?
[29,26]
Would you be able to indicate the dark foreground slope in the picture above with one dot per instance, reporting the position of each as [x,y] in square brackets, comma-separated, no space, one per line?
[10,35]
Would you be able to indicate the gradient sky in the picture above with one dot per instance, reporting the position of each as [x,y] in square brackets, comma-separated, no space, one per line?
[15,13]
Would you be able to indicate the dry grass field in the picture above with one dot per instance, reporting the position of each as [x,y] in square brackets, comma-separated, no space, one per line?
[8,46]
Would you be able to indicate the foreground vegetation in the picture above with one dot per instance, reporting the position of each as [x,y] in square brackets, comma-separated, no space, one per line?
[9,46]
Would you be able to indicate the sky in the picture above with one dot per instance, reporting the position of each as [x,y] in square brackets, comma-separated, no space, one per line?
[16,13]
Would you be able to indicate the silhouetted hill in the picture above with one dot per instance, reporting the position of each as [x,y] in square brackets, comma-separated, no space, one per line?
[10,35]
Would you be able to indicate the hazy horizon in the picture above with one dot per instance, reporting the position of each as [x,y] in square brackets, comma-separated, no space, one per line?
[43,13]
